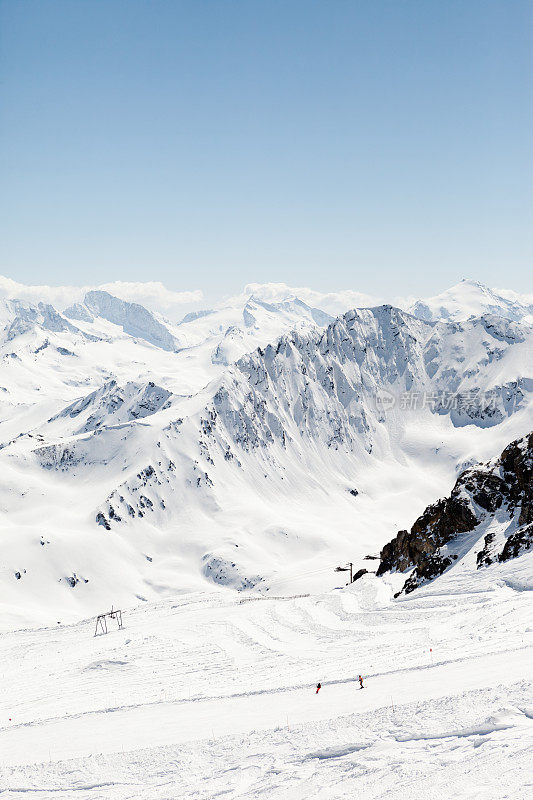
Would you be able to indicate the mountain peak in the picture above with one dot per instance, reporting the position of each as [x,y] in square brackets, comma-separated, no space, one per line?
[134,319]
[469,298]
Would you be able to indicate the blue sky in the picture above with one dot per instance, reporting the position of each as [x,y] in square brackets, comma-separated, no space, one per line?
[379,146]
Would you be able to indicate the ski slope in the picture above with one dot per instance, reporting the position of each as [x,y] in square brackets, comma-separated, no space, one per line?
[213,695]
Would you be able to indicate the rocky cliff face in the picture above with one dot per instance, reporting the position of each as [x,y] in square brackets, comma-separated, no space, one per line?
[489,513]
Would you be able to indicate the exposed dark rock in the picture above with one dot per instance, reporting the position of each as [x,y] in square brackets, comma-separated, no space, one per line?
[101,520]
[485,556]
[517,543]
[487,491]
[74,579]
[438,525]
[436,539]
[113,514]
[42,347]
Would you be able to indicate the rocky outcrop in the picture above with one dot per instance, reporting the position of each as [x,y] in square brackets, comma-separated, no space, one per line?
[517,543]
[501,489]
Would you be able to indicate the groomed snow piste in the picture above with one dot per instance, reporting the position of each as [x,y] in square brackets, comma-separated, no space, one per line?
[213,696]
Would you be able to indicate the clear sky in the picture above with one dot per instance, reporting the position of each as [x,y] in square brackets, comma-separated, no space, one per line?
[380,146]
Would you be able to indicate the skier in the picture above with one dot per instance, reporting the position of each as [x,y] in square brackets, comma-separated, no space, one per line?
[361,682]
[318,687]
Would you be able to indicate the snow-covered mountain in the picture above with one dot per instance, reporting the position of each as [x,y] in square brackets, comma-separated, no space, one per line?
[243,324]
[469,299]
[143,457]
[134,319]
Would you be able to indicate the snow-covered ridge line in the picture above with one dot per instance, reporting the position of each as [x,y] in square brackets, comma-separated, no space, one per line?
[323,388]
[469,299]
[114,405]
[134,319]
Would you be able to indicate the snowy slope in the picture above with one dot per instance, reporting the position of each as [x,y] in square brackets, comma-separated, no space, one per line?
[207,694]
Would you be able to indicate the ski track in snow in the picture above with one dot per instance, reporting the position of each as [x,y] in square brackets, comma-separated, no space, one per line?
[210,697]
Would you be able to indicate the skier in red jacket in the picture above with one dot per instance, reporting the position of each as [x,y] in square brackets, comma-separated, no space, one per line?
[361,682]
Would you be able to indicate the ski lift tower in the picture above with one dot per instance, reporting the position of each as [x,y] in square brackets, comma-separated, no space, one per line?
[347,568]
[101,621]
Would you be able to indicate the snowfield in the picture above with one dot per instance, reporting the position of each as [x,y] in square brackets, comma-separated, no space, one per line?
[213,695]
